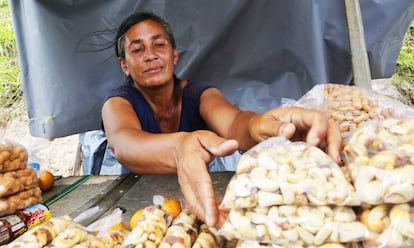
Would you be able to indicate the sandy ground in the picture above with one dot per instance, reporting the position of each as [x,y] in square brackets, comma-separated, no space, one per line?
[61,156]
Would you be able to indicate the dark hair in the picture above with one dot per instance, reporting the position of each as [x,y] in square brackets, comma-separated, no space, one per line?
[134,19]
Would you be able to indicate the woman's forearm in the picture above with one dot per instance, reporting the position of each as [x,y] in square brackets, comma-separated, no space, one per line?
[239,130]
[146,153]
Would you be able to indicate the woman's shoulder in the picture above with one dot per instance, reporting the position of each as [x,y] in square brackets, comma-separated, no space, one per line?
[197,86]
[121,90]
[124,91]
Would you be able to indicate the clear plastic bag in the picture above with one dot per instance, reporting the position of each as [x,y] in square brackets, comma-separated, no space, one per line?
[294,226]
[255,244]
[380,159]
[290,194]
[104,224]
[389,226]
[351,106]
[280,172]
[13,156]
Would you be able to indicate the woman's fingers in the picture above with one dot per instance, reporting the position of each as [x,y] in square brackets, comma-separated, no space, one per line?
[220,147]
[196,151]
[334,140]
[299,124]
[199,195]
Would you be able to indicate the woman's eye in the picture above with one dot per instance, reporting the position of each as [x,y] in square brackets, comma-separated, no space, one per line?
[137,50]
[160,44]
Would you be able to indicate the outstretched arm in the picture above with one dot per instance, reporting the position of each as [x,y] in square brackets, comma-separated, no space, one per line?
[185,153]
[249,128]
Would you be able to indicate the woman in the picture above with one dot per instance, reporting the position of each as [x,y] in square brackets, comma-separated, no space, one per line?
[159,124]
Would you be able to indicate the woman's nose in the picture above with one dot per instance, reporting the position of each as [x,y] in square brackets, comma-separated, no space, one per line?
[149,54]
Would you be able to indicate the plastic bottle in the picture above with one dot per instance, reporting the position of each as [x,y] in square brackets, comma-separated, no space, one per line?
[35,166]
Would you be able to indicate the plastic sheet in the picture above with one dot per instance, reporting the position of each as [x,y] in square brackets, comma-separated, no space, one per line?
[256,52]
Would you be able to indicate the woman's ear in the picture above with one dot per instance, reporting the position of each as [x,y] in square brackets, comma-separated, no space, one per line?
[124,66]
[175,57]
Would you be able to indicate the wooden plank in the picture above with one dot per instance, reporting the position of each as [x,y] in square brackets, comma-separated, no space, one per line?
[77,197]
[106,200]
[141,194]
[106,193]
[359,57]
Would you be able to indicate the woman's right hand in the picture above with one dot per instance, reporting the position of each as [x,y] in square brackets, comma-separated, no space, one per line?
[193,155]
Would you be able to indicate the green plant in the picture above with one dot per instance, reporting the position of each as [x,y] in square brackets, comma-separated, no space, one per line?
[405,63]
[4,3]
[10,86]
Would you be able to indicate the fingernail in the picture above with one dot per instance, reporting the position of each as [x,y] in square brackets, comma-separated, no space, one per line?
[282,129]
[314,141]
[209,221]
[285,130]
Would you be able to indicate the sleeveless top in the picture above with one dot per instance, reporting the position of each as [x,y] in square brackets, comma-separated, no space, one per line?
[190,120]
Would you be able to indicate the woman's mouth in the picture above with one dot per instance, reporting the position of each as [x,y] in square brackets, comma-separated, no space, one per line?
[153,69]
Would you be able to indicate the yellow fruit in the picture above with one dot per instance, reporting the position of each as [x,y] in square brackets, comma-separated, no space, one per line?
[118,226]
[172,207]
[46,180]
[134,218]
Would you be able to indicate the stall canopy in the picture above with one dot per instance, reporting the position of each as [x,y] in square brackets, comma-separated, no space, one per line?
[257,52]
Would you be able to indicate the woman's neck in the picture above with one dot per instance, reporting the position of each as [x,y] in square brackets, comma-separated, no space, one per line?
[165,102]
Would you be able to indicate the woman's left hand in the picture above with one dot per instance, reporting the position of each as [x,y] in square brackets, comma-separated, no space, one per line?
[194,153]
[295,124]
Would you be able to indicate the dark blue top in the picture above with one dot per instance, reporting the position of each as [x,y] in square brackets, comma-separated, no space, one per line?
[190,115]
[191,119]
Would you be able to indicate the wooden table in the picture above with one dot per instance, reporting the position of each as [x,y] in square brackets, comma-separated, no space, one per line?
[131,192]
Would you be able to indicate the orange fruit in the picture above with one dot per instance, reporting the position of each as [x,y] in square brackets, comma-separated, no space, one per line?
[119,226]
[134,218]
[46,180]
[172,207]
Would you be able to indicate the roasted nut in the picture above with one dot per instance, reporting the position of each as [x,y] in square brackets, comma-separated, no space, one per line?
[351,107]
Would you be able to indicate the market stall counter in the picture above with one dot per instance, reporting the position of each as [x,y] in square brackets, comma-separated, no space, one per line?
[100,194]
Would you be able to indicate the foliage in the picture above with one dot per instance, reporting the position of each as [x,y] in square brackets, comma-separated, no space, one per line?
[405,62]
[11,93]
[10,86]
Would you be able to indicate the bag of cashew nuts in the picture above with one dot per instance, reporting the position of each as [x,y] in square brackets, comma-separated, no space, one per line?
[13,156]
[294,226]
[282,193]
[352,106]
[279,172]
[380,159]
[256,244]
[389,225]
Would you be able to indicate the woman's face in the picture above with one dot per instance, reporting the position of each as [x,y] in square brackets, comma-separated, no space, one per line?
[149,56]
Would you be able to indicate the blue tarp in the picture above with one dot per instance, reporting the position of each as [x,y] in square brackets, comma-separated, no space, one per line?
[256,52]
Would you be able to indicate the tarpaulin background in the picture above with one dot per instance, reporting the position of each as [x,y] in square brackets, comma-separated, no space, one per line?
[256,52]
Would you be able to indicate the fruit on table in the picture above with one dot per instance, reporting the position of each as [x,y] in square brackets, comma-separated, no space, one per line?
[134,218]
[46,180]
[172,207]
[118,226]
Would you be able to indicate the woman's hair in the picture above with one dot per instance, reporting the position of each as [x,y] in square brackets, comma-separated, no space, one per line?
[131,21]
